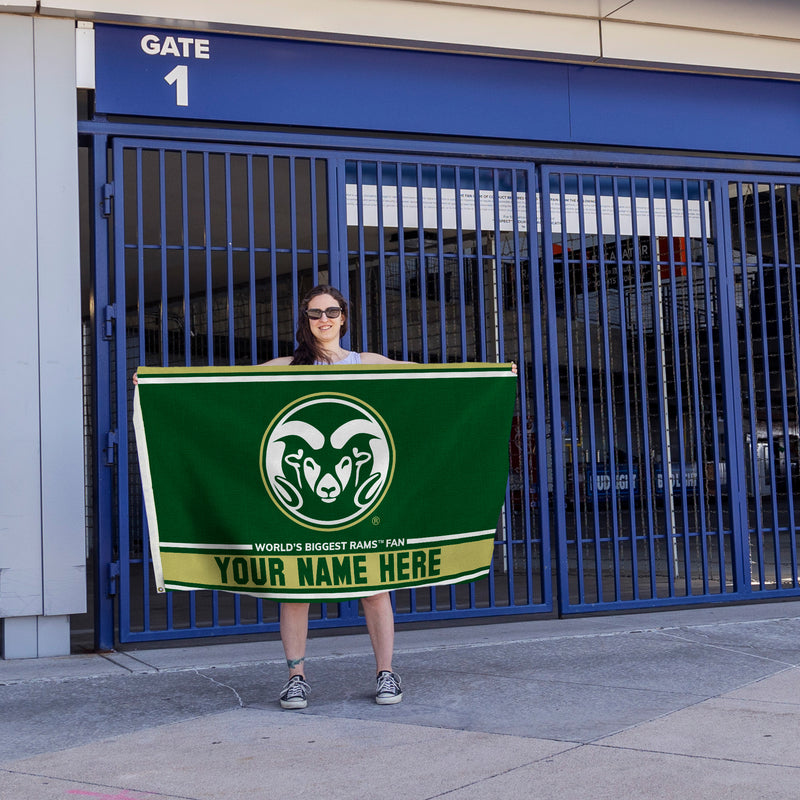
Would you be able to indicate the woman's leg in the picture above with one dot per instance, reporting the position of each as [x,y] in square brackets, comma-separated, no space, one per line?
[294,633]
[379,617]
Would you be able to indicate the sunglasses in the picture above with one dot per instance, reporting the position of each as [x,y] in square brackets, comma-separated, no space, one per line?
[330,313]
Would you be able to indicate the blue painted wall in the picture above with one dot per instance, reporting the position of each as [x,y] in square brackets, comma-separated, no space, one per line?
[259,80]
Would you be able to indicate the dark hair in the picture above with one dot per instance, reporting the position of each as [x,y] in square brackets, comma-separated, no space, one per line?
[308,350]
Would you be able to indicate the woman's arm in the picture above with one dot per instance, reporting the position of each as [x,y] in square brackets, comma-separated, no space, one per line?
[377,358]
[282,361]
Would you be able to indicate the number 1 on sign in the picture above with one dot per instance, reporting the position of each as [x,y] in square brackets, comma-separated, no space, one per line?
[180,77]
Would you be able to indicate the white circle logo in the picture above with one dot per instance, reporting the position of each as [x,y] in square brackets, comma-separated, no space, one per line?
[327,460]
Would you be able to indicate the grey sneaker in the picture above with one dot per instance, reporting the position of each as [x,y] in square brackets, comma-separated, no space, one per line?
[389,689]
[295,693]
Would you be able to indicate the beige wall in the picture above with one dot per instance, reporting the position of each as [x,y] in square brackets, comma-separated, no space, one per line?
[724,36]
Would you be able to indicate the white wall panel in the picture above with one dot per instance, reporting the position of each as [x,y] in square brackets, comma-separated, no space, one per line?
[776,18]
[470,27]
[42,526]
[61,396]
[663,34]
[639,44]
[20,498]
[578,8]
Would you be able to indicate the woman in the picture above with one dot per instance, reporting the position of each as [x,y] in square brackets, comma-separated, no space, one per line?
[321,324]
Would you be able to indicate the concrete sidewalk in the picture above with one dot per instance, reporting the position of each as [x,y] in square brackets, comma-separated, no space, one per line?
[701,703]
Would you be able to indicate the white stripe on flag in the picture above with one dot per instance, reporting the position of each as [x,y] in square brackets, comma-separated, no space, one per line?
[371,376]
[423,540]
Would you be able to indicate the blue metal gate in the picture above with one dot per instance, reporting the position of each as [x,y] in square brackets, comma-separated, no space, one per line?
[674,328]
[765,241]
[213,245]
[653,315]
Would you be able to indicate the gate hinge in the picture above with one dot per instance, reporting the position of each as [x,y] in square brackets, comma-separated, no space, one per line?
[111,444]
[113,574]
[109,315]
[108,193]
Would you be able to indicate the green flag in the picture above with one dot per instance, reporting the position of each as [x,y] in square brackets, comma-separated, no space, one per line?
[322,483]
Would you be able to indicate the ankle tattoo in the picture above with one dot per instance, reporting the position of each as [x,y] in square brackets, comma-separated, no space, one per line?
[294,662]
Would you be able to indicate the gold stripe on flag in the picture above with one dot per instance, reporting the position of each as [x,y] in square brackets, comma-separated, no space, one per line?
[295,577]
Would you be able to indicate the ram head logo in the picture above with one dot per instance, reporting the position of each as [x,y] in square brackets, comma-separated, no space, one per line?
[327,460]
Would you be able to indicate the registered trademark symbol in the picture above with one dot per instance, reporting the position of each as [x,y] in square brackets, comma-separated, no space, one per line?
[376,520]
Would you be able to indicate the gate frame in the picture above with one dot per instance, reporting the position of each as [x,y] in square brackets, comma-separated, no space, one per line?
[100,133]
[108,148]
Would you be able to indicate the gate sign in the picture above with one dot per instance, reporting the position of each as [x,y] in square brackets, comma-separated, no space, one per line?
[323,483]
[213,76]
[156,72]
[221,77]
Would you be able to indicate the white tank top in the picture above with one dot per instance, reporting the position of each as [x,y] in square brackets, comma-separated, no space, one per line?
[351,358]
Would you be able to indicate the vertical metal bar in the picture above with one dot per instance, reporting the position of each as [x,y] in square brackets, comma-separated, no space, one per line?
[695,394]
[208,258]
[623,324]
[587,340]
[663,409]
[783,412]
[251,260]
[480,258]
[102,380]
[766,376]
[734,416]
[187,307]
[423,266]
[251,305]
[460,266]
[162,247]
[229,260]
[312,191]
[543,373]
[361,257]
[293,239]
[401,263]
[441,264]
[676,371]
[794,301]
[645,483]
[339,257]
[713,320]
[606,370]
[505,538]
[576,429]
[554,385]
[122,392]
[384,343]
[209,301]
[481,355]
[497,303]
[753,431]
[506,529]
[523,399]
[498,268]
[273,257]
